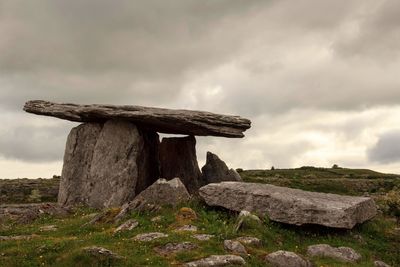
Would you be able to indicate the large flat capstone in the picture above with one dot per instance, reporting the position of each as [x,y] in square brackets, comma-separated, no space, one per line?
[188,122]
[292,206]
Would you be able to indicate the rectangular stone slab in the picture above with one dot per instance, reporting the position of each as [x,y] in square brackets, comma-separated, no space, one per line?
[170,121]
[291,206]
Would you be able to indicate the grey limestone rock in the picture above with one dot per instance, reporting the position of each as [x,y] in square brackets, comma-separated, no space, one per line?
[292,206]
[171,121]
[216,171]
[147,237]
[78,158]
[127,226]
[235,247]
[283,258]
[341,253]
[162,192]
[380,264]
[217,261]
[106,165]
[178,159]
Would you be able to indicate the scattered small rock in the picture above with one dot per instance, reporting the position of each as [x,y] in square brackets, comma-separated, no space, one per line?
[380,264]
[217,261]
[17,237]
[341,253]
[249,240]
[127,226]
[203,237]
[146,237]
[187,228]
[48,228]
[101,252]
[235,247]
[246,219]
[185,216]
[161,192]
[175,248]
[286,259]
[156,219]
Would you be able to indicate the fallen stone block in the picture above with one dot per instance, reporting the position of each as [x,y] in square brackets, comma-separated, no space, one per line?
[291,206]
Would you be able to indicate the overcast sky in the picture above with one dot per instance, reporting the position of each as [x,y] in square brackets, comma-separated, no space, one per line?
[320,80]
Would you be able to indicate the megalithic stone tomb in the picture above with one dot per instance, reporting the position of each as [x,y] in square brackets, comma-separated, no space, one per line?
[116,152]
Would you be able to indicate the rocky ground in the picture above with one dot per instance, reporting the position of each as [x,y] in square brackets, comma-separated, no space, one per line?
[194,234]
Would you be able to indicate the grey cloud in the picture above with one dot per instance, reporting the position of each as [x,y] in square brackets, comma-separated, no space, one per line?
[34,143]
[378,36]
[387,149]
[270,59]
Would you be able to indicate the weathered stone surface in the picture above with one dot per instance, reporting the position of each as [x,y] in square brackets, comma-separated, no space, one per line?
[78,157]
[121,161]
[101,252]
[292,206]
[106,165]
[186,228]
[170,248]
[286,259]
[202,237]
[156,119]
[380,264]
[178,159]
[146,237]
[249,240]
[341,253]
[162,192]
[216,171]
[127,226]
[217,261]
[234,247]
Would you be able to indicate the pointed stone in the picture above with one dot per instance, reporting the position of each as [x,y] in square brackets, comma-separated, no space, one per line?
[216,171]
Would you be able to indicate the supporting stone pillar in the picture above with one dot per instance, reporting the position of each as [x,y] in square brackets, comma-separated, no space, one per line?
[106,165]
[178,159]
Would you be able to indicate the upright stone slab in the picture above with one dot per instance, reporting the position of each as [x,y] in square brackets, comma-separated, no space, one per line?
[216,171]
[77,162]
[119,161]
[178,159]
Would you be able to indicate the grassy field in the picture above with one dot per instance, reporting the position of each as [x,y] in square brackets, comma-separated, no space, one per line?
[378,239]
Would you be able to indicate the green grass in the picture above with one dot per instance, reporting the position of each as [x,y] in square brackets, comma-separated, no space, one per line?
[327,180]
[64,246]
[376,239]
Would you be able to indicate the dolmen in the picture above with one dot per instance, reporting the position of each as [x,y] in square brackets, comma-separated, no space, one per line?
[115,159]
[116,152]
